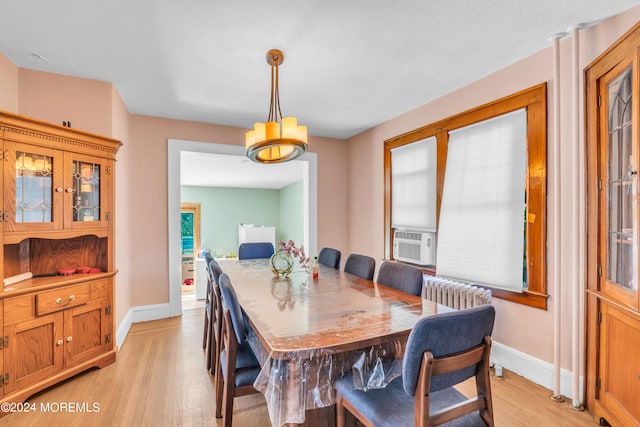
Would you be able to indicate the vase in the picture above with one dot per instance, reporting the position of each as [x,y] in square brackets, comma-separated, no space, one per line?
[281,263]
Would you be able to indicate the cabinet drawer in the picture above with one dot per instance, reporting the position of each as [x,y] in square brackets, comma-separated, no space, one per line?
[59,299]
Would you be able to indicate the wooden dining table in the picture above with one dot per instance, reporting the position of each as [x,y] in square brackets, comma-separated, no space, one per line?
[306,332]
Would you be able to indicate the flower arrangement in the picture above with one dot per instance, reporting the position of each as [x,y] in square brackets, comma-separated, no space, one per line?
[296,253]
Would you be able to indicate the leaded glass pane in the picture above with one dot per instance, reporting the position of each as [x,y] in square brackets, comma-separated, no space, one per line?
[620,174]
[34,182]
[86,183]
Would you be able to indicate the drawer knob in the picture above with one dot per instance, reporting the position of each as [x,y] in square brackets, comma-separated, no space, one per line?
[60,342]
[59,190]
[59,300]
[70,190]
[69,338]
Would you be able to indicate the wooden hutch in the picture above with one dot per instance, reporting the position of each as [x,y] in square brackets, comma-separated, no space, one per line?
[57,212]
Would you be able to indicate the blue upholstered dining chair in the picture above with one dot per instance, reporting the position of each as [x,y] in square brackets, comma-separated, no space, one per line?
[255,250]
[330,257]
[442,351]
[403,277]
[238,367]
[213,314]
[207,302]
[360,265]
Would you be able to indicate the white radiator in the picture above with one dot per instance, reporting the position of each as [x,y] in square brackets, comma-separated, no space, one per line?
[454,294]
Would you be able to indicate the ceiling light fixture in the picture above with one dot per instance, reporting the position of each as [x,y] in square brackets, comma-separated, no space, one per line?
[279,139]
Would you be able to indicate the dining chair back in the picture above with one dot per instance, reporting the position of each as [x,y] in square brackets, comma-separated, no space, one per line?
[360,265]
[213,314]
[330,257]
[403,277]
[207,258]
[238,367]
[255,250]
[442,351]
[206,335]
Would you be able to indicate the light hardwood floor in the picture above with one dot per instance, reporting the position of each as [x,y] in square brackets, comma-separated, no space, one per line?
[159,379]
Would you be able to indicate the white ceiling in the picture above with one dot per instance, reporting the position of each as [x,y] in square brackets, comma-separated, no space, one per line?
[204,169]
[349,64]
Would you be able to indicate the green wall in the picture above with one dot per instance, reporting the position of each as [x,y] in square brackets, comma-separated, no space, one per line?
[291,224]
[222,209]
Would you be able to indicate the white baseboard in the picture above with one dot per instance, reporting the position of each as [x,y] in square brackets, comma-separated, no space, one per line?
[535,370]
[142,313]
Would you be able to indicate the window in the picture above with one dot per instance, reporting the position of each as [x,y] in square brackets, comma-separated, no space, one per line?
[414,166]
[481,234]
[532,103]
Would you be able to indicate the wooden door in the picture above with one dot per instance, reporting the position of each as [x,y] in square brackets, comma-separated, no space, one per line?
[32,188]
[618,231]
[86,197]
[620,364]
[34,352]
[87,332]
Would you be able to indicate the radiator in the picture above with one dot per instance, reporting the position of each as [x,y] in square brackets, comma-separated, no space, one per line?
[454,294]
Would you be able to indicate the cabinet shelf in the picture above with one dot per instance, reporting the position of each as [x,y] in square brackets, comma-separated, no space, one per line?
[51,282]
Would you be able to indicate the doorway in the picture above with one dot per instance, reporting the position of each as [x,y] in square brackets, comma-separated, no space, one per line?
[190,248]
[175,149]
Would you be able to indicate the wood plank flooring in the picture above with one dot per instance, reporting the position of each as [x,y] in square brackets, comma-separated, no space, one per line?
[159,379]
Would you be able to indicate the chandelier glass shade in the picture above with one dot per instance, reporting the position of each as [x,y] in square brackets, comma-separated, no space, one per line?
[278,139]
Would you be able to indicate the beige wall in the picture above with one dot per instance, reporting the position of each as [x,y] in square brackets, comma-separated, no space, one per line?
[522,328]
[125,245]
[55,98]
[8,85]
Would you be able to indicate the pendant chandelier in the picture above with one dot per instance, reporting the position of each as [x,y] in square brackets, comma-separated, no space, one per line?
[279,139]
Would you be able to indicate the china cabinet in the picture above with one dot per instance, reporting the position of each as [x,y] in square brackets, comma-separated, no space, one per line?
[56,307]
[613,299]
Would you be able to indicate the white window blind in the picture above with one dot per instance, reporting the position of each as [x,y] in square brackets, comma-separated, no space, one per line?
[413,185]
[481,230]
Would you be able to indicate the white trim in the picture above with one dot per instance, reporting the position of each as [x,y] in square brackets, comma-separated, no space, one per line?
[533,369]
[174,148]
[123,329]
[141,313]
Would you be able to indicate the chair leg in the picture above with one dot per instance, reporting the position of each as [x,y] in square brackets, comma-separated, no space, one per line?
[219,388]
[227,398]
[210,352]
[340,415]
[483,386]
[206,330]
[213,350]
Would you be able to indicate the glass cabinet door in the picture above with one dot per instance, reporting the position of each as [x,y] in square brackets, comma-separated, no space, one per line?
[86,182]
[620,182]
[32,189]
[85,187]
[48,189]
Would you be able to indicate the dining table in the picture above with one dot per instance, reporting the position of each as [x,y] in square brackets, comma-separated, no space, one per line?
[307,331]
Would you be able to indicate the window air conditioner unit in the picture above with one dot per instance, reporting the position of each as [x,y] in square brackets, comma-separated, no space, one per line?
[417,247]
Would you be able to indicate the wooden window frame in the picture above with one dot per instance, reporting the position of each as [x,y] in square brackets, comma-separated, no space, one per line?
[534,100]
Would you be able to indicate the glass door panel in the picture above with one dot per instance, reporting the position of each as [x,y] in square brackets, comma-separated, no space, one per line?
[86,183]
[32,190]
[34,187]
[86,194]
[619,176]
